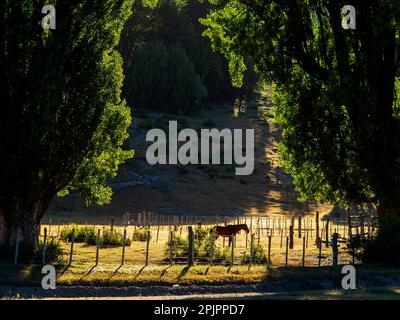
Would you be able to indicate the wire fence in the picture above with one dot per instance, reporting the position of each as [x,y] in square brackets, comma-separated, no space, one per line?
[155,239]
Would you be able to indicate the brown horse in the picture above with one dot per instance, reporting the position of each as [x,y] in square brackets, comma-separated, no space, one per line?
[229,231]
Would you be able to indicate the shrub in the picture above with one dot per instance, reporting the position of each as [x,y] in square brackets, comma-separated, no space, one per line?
[180,246]
[114,238]
[54,251]
[66,232]
[382,248]
[85,234]
[259,255]
[356,245]
[164,78]
[140,235]
[202,247]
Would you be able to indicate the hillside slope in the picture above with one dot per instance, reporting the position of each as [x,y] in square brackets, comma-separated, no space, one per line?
[197,189]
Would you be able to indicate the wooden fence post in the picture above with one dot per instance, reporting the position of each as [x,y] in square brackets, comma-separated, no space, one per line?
[112,226]
[97,246]
[123,249]
[158,232]
[327,233]
[233,250]
[320,250]
[287,251]
[299,227]
[251,248]
[17,238]
[190,260]
[291,242]
[44,246]
[269,252]
[349,222]
[335,250]
[147,247]
[317,227]
[171,247]
[303,258]
[211,247]
[361,219]
[71,253]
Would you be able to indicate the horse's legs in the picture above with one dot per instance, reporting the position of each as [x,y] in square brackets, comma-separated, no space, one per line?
[230,241]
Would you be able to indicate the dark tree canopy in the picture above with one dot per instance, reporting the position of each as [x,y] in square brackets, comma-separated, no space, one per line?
[62,122]
[335,90]
[169,65]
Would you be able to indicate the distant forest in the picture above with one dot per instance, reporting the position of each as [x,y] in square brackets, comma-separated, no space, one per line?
[169,66]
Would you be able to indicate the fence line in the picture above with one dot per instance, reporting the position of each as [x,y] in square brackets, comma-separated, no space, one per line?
[263,245]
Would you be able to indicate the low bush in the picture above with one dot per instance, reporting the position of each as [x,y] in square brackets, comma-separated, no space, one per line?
[140,235]
[202,247]
[88,235]
[114,238]
[85,234]
[54,252]
[383,248]
[259,255]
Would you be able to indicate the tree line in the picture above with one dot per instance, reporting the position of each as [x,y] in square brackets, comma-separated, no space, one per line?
[169,65]
[63,121]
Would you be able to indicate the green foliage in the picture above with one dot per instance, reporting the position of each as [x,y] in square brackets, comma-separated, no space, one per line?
[383,247]
[140,235]
[164,78]
[61,95]
[173,24]
[88,235]
[85,234]
[259,255]
[356,246]
[54,252]
[202,247]
[180,246]
[338,108]
[265,114]
[114,238]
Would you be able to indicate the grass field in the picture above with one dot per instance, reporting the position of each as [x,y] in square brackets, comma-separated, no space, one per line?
[135,254]
[110,271]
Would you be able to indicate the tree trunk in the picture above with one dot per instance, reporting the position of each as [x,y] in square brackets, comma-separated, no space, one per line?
[17,213]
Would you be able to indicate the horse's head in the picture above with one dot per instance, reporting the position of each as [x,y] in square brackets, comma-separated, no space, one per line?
[245,228]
